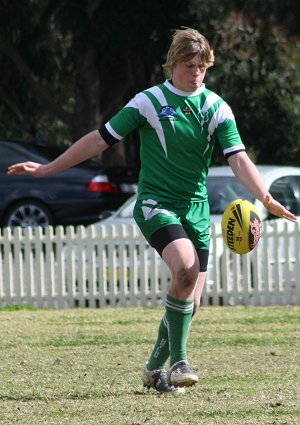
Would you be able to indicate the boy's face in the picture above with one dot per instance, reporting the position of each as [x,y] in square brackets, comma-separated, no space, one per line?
[188,76]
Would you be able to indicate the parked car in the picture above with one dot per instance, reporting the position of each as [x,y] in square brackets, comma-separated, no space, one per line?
[223,188]
[75,196]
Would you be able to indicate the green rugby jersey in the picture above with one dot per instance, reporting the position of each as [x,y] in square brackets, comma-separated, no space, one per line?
[178,131]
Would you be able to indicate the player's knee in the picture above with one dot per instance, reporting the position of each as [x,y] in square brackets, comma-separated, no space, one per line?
[186,276]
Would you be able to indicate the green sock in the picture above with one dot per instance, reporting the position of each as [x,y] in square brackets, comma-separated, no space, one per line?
[179,316]
[160,351]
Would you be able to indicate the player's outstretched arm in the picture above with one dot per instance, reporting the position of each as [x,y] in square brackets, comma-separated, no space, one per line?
[88,146]
[247,173]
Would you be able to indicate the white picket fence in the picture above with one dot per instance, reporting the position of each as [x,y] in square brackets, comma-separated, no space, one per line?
[104,265]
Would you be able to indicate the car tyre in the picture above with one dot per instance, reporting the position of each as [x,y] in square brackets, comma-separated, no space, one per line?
[28,214]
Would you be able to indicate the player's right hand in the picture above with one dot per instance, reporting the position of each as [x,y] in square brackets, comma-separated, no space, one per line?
[33,168]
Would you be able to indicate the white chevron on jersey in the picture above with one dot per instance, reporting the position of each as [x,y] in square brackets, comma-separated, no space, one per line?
[146,108]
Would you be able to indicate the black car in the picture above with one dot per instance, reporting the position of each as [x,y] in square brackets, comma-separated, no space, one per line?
[72,197]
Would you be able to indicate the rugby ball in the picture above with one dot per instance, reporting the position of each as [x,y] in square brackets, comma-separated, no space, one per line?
[241,226]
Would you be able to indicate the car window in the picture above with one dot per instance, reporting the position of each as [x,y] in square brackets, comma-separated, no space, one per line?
[297,187]
[49,153]
[24,152]
[282,190]
[45,152]
[223,190]
[9,156]
[29,152]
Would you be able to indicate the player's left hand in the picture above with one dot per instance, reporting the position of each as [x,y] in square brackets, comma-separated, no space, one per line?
[277,209]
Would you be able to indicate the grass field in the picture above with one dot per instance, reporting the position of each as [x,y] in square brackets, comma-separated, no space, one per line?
[82,367]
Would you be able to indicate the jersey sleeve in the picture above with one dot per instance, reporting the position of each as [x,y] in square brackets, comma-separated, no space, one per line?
[123,123]
[226,131]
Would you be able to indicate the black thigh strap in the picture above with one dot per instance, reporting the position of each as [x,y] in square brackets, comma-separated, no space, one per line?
[166,234]
[203,255]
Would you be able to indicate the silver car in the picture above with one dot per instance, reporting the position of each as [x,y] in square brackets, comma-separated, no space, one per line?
[223,188]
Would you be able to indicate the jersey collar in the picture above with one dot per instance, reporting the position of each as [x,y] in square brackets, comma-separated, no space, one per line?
[184,93]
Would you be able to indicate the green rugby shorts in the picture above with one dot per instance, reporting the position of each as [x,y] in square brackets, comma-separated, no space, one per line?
[194,217]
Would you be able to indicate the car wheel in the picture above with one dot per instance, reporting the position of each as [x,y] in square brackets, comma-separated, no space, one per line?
[28,214]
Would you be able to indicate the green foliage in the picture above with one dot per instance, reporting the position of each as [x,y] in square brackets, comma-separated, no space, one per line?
[257,64]
[83,367]
[32,72]
[257,71]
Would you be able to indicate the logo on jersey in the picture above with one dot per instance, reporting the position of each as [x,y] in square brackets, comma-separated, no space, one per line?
[187,111]
[167,113]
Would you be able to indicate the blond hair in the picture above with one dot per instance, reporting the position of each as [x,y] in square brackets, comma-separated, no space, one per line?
[186,44]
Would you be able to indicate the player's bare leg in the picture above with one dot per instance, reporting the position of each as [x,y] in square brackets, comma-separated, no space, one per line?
[182,260]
